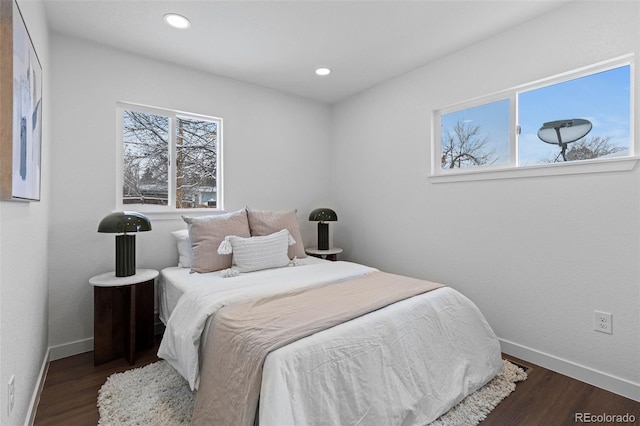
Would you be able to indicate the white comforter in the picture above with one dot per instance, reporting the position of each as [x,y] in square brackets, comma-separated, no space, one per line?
[182,337]
[405,364]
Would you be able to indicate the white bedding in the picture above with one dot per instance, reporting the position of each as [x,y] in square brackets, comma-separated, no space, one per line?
[175,281]
[203,296]
[405,364]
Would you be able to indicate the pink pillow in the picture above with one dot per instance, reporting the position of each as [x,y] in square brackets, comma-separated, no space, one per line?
[207,232]
[266,222]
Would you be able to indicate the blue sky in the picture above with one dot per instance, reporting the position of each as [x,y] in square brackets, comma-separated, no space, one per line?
[493,118]
[602,98]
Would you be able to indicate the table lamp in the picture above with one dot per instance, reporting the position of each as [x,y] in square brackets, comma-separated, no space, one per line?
[124,223]
[321,216]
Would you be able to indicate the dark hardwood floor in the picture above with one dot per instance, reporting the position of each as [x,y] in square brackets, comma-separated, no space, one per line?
[71,388]
[549,398]
[545,398]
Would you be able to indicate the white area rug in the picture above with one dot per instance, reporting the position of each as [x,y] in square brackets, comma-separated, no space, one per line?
[156,395]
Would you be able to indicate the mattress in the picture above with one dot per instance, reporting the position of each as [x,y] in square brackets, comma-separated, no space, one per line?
[175,281]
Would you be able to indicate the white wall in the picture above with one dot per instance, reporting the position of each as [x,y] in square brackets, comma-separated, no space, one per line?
[275,149]
[538,255]
[23,260]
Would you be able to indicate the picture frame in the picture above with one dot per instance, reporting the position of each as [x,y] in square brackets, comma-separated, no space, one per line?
[20,109]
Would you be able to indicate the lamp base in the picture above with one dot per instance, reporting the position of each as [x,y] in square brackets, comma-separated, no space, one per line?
[125,255]
[323,236]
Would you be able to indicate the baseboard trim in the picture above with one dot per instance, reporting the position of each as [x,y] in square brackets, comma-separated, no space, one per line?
[585,374]
[37,391]
[70,349]
[85,345]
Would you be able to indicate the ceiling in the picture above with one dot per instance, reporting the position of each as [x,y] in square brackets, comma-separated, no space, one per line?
[279,44]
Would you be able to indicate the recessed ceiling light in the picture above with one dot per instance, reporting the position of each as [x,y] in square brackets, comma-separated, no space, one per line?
[177,21]
[323,71]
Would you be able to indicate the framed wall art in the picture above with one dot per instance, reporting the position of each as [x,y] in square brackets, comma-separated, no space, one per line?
[20,108]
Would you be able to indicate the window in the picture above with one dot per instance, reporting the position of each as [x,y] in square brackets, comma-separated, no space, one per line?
[584,115]
[476,136]
[168,159]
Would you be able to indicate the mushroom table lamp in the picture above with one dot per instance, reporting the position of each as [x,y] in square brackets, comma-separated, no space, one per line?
[321,216]
[124,223]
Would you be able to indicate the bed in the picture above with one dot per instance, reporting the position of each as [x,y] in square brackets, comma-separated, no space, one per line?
[405,363]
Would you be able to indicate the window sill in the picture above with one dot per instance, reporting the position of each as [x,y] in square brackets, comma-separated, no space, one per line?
[556,169]
[173,214]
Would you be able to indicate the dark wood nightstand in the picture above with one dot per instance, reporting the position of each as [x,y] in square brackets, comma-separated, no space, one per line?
[122,315]
[331,254]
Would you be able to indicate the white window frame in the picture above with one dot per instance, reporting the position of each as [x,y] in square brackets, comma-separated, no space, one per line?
[512,169]
[169,211]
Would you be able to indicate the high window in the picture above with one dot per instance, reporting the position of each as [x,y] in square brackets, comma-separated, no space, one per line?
[168,159]
[580,116]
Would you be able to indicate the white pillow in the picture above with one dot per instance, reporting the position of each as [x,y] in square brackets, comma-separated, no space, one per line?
[257,253]
[184,247]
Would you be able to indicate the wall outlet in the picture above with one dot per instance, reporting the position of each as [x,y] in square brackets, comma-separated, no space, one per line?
[11,394]
[603,322]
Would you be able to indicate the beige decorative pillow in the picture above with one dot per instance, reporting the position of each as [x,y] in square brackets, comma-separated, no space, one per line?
[207,232]
[265,222]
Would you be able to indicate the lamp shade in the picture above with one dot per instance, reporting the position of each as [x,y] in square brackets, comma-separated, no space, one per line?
[323,215]
[123,222]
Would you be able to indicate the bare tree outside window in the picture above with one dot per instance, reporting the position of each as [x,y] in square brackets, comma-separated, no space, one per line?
[147,169]
[465,145]
[588,149]
[146,158]
[196,163]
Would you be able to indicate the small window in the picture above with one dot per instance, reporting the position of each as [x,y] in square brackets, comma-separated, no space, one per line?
[475,137]
[603,99]
[169,159]
[580,116]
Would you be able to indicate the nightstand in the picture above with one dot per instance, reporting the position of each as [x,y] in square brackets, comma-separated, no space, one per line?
[122,314]
[331,254]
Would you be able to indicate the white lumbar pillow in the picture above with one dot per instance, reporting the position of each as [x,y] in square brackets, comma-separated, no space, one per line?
[257,253]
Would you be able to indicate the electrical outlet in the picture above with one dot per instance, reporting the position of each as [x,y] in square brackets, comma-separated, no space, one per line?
[11,394]
[603,322]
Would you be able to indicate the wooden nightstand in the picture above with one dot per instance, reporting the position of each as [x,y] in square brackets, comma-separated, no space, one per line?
[122,315]
[331,254]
